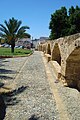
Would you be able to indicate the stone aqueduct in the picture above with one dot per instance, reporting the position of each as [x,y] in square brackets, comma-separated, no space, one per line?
[64,54]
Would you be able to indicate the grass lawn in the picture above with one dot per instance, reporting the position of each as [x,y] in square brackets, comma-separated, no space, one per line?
[17,52]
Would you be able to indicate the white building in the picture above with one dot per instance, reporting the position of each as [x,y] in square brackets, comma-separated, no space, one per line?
[25,42]
[39,41]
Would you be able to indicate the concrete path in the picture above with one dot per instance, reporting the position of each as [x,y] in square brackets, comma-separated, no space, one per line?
[33,99]
[35,94]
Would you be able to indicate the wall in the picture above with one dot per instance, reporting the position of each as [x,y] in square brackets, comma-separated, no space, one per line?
[66,51]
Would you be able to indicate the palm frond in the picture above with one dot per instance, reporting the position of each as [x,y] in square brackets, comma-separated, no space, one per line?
[27,35]
[22,30]
[4,29]
[25,27]
[12,30]
[7,25]
[17,26]
[22,34]
[1,34]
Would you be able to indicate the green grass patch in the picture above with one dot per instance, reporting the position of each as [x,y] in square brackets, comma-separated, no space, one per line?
[17,52]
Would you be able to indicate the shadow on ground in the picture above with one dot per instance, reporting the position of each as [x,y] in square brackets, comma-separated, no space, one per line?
[1,65]
[3,77]
[33,117]
[4,71]
[9,99]
[2,108]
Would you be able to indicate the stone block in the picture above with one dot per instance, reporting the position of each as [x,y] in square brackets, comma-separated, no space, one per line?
[57,68]
[48,57]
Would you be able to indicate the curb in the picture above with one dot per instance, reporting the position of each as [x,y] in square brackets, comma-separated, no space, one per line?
[63,115]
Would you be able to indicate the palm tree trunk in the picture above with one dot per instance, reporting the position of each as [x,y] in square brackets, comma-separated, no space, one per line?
[12,45]
[12,48]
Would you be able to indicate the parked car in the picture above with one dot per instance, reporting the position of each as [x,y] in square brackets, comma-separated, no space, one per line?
[5,45]
[16,46]
[20,47]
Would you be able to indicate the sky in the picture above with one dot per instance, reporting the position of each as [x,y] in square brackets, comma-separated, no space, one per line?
[34,13]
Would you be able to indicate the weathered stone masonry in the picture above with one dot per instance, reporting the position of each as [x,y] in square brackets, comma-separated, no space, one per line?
[64,55]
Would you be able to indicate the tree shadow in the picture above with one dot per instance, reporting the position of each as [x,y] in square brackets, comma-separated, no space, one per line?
[10,98]
[1,65]
[4,71]
[2,108]
[3,77]
[1,62]
[5,60]
[1,84]
[34,117]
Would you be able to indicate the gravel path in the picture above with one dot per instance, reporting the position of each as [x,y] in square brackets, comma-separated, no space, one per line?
[34,101]
[33,98]
[70,98]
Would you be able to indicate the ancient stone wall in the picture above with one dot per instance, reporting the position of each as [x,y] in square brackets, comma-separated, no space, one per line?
[66,51]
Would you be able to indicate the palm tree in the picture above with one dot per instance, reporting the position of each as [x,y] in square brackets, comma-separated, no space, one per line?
[12,31]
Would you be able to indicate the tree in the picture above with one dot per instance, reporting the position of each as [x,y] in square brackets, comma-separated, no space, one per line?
[58,23]
[12,30]
[74,20]
[63,24]
[71,10]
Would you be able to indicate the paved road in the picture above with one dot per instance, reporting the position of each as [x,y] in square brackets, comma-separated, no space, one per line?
[33,100]
[35,94]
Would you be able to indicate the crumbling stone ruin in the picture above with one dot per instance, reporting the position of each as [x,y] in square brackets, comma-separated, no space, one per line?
[64,55]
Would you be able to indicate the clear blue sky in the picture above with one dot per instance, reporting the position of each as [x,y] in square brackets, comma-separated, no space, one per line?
[34,13]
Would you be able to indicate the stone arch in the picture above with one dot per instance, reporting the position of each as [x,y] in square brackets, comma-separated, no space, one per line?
[44,48]
[56,55]
[48,49]
[40,47]
[72,73]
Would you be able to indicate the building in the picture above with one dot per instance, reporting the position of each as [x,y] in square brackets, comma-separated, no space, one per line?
[41,40]
[25,42]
